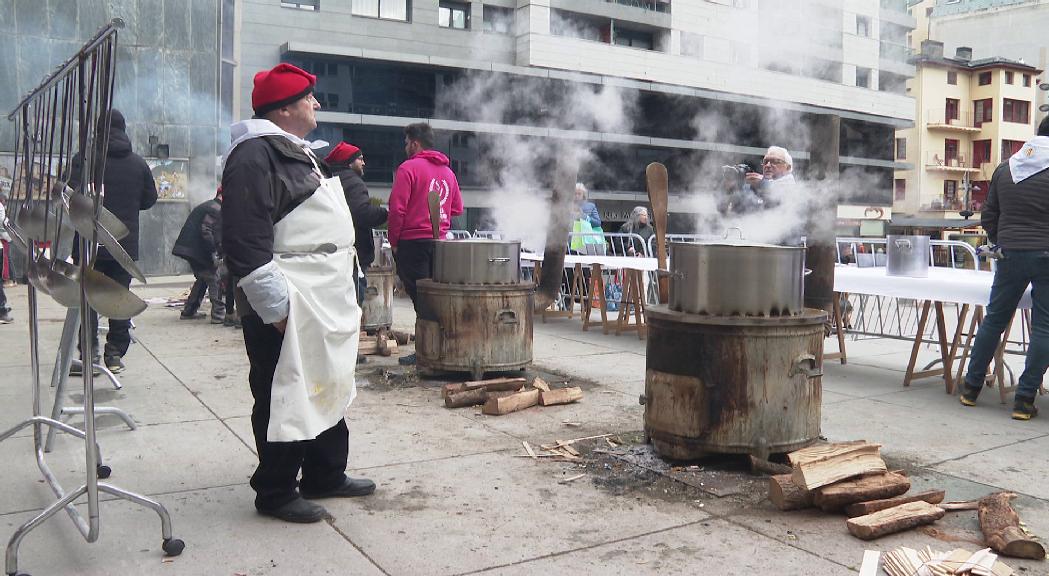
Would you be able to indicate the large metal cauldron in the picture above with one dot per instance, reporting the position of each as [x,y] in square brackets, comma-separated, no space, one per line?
[717,384]
[908,256]
[477,261]
[737,279]
[377,307]
[474,328]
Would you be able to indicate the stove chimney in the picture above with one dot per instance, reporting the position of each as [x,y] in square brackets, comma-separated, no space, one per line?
[932,49]
[964,53]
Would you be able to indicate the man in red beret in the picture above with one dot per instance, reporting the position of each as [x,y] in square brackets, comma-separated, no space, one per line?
[288,236]
[347,162]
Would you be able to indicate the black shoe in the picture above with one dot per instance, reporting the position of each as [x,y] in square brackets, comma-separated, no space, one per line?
[298,510]
[969,395]
[217,319]
[350,487]
[77,368]
[5,317]
[114,364]
[1024,409]
[408,360]
[194,316]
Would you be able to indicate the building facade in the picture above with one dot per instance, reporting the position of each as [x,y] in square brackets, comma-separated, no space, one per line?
[697,84]
[971,116]
[168,87]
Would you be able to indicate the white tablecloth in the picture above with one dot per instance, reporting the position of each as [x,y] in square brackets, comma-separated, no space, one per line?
[610,262]
[942,285]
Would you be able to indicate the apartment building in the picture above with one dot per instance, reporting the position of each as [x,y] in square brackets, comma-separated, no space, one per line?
[972,114]
[710,82]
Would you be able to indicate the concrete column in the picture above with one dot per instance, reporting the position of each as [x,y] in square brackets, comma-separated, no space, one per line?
[824,134]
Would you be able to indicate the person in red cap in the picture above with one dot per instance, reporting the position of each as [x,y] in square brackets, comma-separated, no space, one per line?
[347,162]
[411,234]
[288,237]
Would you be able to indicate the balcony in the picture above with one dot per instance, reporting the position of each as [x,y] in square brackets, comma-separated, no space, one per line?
[939,162]
[948,205]
[938,120]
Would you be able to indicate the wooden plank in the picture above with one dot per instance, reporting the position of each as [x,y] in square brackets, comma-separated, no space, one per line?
[818,451]
[869,567]
[528,448]
[560,396]
[892,520]
[466,398]
[835,497]
[506,404]
[1001,529]
[497,384]
[765,467]
[830,463]
[786,495]
[540,384]
[370,347]
[871,506]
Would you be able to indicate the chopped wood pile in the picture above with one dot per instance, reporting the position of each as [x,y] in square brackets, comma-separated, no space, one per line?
[562,450]
[381,344]
[852,478]
[905,561]
[500,396]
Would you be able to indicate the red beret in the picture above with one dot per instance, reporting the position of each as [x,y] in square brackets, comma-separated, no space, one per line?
[282,85]
[343,153]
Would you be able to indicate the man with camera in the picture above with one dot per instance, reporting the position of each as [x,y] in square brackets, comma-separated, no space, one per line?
[777,176]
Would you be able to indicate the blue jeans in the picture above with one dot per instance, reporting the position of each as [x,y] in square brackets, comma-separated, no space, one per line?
[1017,270]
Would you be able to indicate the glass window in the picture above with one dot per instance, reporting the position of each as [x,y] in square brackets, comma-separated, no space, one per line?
[901,148]
[901,189]
[952,77]
[1010,147]
[385,9]
[302,4]
[863,26]
[633,38]
[1027,80]
[497,20]
[1009,76]
[1016,111]
[863,77]
[453,15]
[983,111]
[984,78]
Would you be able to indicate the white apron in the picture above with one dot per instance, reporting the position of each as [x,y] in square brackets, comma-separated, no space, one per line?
[313,384]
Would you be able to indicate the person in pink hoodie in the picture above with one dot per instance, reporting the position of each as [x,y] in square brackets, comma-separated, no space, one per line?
[410,232]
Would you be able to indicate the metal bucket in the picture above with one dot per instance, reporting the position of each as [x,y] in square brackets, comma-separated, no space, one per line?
[377,307]
[477,261]
[732,385]
[737,279]
[908,256]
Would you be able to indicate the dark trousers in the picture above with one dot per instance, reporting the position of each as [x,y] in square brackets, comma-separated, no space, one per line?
[3,297]
[362,288]
[414,262]
[1014,273]
[118,339]
[207,280]
[322,460]
[230,288]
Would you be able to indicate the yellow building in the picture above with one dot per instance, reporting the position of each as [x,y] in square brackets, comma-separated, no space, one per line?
[970,116]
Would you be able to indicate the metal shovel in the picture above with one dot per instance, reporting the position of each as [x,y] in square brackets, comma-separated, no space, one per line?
[82,212]
[35,221]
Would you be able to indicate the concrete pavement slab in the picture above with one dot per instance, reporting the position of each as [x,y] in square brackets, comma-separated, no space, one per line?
[916,433]
[220,382]
[1016,467]
[696,548]
[222,532]
[480,511]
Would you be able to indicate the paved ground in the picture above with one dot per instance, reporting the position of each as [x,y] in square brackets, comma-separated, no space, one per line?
[454,496]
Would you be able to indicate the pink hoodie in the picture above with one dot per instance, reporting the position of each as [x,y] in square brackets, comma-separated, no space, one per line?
[409,209]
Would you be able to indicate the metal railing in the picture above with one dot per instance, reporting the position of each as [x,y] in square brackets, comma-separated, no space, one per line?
[870,252]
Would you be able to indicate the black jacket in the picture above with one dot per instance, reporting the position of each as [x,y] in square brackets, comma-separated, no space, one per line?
[1016,215]
[264,179]
[201,235]
[129,187]
[366,216]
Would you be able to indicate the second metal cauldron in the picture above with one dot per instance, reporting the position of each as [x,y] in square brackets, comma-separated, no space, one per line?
[737,279]
[477,261]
